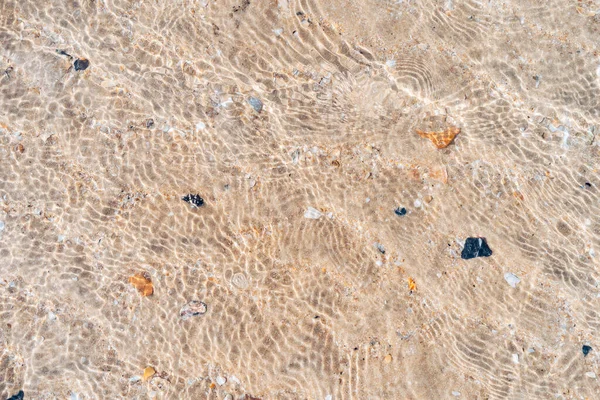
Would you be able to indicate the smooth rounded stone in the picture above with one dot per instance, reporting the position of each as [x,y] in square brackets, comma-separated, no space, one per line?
[194,199]
[255,103]
[193,309]
[81,64]
[475,247]
[221,380]
[512,279]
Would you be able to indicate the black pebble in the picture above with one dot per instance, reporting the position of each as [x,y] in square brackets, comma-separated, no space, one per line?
[475,247]
[400,211]
[193,199]
[586,349]
[149,123]
[18,396]
[587,184]
[81,64]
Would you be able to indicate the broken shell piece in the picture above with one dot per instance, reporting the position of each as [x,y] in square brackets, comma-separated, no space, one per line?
[440,139]
[148,373]
[192,309]
[312,213]
[412,285]
[142,283]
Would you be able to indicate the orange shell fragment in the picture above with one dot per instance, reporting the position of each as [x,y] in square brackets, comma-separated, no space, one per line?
[142,284]
[148,373]
[411,284]
[440,139]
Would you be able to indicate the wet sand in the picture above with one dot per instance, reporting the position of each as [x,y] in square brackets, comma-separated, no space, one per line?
[271,199]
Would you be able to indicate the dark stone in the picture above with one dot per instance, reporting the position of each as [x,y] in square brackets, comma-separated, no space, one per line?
[63,53]
[586,349]
[587,184]
[475,247]
[400,211]
[18,396]
[149,123]
[193,199]
[81,64]
[255,103]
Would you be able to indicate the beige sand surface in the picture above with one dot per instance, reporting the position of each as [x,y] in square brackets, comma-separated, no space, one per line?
[296,123]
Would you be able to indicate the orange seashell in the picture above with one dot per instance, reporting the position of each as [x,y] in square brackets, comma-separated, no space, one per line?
[440,139]
[412,284]
[142,284]
[148,373]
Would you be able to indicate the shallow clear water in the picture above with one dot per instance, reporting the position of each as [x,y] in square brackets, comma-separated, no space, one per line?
[296,124]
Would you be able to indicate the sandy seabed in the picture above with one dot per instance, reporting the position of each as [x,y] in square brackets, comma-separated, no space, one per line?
[236,199]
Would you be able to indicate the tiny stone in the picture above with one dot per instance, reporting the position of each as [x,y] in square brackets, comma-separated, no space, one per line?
[515,358]
[380,248]
[512,279]
[81,64]
[149,123]
[586,349]
[590,375]
[475,247]
[194,199]
[192,309]
[417,203]
[228,397]
[428,199]
[312,213]
[255,103]
[455,393]
[221,380]
[400,211]
[388,359]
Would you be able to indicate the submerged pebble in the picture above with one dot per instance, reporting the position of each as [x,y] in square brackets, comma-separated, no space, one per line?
[400,211]
[586,349]
[312,213]
[255,103]
[194,199]
[81,64]
[475,247]
[192,309]
[512,279]
[18,396]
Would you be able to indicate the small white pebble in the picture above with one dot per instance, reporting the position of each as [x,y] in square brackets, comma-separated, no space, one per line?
[590,375]
[312,213]
[221,380]
[455,393]
[200,126]
[329,397]
[2,226]
[51,316]
[515,358]
[228,397]
[512,279]
[367,200]
[278,31]
[531,350]
[135,379]
[417,203]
